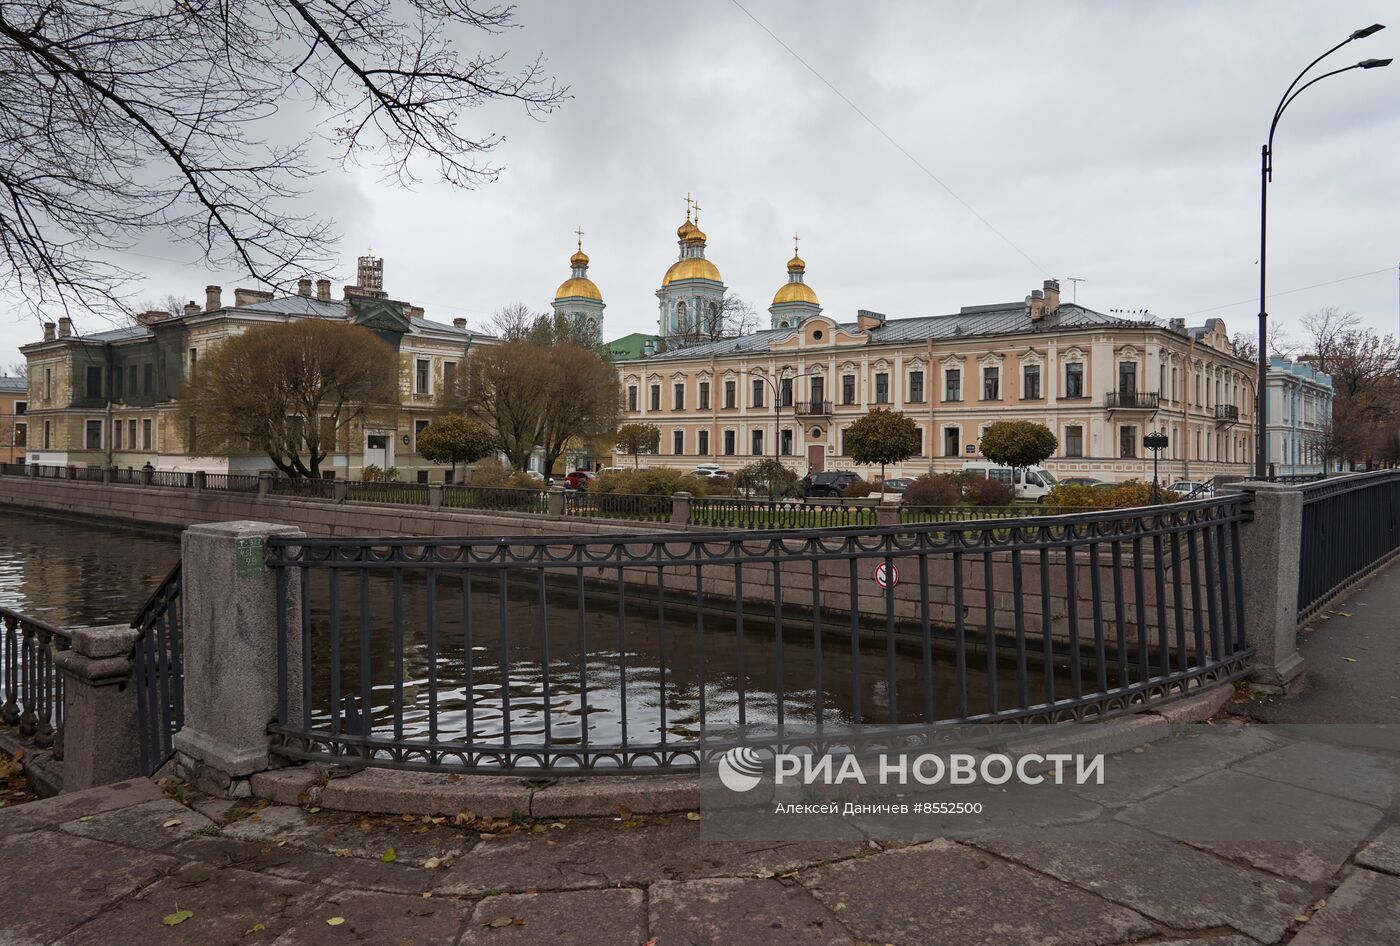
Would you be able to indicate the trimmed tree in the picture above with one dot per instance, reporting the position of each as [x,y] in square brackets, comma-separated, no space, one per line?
[1018,443]
[454,439]
[637,439]
[882,437]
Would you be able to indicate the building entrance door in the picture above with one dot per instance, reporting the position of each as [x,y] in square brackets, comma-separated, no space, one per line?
[816,457]
[377,450]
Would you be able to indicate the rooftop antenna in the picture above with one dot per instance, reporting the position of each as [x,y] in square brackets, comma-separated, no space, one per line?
[1074,292]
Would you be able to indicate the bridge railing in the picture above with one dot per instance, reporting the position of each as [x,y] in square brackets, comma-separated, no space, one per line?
[1351,526]
[33,687]
[729,512]
[658,651]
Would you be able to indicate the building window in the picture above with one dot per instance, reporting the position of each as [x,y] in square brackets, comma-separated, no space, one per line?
[655,397]
[1074,380]
[1074,441]
[756,447]
[48,434]
[678,442]
[93,439]
[785,441]
[952,383]
[785,392]
[131,389]
[418,427]
[420,377]
[632,397]
[702,396]
[916,387]
[758,392]
[449,376]
[817,387]
[21,407]
[731,395]
[1030,381]
[116,435]
[991,384]
[146,432]
[882,388]
[1127,442]
[951,446]
[21,435]
[702,443]
[843,444]
[94,382]
[848,389]
[131,435]
[423,477]
[148,375]
[1127,377]
[729,447]
[194,360]
[678,396]
[921,442]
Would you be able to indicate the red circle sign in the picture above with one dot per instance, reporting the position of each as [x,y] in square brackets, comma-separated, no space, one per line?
[886,578]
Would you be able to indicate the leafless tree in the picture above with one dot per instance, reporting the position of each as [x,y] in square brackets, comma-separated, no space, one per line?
[125,119]
[1365,370]
[19,369]
[170,303]
[732,318]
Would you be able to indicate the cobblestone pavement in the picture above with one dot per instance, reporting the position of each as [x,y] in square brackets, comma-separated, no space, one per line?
[1224,835]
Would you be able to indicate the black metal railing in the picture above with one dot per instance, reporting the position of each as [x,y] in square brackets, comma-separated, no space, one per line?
[158,666]
[1351,525]
[178,478]
[1132,400]
[13,469]
[232,482]
[496,499]
[655,652]
[1227,413]
[813,408]
[33,686]
[304,487]
[921,514]
[87,474]
[638,508]
[728,512]
[405,494]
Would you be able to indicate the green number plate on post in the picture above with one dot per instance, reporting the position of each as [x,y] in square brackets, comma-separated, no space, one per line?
[248,553]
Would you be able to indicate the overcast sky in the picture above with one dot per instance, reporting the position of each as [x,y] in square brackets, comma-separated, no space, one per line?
[1114,142]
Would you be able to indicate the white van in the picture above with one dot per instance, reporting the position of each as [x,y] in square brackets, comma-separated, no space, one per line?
[1032,483]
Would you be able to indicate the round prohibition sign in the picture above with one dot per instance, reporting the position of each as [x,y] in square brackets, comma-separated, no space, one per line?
[886,575]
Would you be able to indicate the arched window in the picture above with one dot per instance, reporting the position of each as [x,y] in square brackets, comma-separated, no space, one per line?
[680,317]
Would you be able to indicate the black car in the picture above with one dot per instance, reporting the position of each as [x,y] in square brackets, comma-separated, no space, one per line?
[830,483]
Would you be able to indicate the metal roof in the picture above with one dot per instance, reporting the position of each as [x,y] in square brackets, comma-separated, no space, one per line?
[13,385]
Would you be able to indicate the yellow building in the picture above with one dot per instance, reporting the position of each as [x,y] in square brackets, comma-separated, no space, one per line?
[1099,382]
[111,398]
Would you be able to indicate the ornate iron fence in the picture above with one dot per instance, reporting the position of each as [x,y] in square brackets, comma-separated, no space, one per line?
[919,514]
[13,469]
[654,652]
[88,474]
[1351,525]
[496,499]
[408,494]
[232,482]
[158,665]
[729,512]
[172,478]
[639,508]
[33,686]
[304,487]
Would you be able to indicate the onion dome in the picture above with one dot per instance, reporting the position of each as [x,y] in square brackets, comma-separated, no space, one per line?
[692,267]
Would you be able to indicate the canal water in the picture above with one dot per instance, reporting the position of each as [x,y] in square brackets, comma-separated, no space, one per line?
[561,673]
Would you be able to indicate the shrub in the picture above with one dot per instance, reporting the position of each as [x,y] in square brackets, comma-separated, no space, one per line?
[1017,443]
[768,476]
[978,491]
[373,474]
[492,472]
[1123,496]
[1135,493]
[944,489]
[657,481]
[858,489]
[1075,496]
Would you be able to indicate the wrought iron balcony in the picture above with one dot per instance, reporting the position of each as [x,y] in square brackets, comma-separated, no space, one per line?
[1132,400]
[1227,414]
[813,408]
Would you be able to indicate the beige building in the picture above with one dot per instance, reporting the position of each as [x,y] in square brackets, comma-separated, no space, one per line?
[111,398]
[1100,382]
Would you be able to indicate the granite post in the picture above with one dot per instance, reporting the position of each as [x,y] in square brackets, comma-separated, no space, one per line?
[434,495]
[264,483]
[1269,547]
[555,508]
[231,671]
[887,514]
[680,508]
[100,737]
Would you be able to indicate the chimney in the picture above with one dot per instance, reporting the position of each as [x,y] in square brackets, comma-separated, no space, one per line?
[459,323]
[242,297]
[49,328]
[1052,296]
[323,290]
[413,311]
[648,348]
[304,286]
[191,308]
[151,316]
[212,298]
[1035,305]
[866,320]
[65,327]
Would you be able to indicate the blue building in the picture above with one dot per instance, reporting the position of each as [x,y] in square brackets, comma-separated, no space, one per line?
[1300,417]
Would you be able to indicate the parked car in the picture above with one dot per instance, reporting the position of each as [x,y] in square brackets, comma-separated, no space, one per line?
[892,489]
[1030,482]
[711,473]
[579,479]
[830,482]
[610,469]
[1084,481]
[1185,488]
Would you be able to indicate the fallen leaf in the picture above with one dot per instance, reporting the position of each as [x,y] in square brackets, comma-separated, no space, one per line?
[1345,614]
[312,810]
[1350,660]
[255,928]
[178,917]
[1300,917]
[335,921]
[496,922]
[692,816]
[432,863]
[171,823]
[343,852]
[85,818]
[764,874]
[559,826]
[389,855]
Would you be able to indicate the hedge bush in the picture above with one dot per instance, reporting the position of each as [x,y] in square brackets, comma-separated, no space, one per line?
[657,481]
[943,489]
[978,491]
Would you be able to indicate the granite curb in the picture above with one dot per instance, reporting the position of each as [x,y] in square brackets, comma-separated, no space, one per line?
[488,796]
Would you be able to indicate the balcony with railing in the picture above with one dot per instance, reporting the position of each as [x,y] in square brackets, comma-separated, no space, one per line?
[1227,414]
[1132,400]
[813,408]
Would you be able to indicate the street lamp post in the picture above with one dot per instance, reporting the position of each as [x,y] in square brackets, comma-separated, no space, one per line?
[777,388]
[1265,176]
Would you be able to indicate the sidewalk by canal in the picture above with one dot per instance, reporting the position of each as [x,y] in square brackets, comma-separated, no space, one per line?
[1228,834]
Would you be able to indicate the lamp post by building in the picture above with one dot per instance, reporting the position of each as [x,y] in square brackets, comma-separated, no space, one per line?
[1265,176]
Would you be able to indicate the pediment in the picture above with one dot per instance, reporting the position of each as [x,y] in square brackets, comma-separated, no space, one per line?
[380,315]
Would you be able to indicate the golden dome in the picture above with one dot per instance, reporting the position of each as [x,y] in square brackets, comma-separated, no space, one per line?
[578,289]
[694,267]
[795,292]
[696,235]
[580,258]
[795,264]
[684,231]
